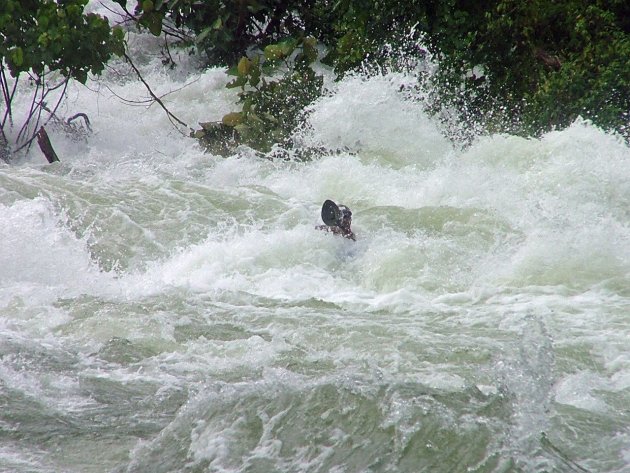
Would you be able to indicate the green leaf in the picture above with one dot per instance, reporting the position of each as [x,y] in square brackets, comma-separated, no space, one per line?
[232,71]
[269,67]
[232,119]
[17,57]
[244,66]
[240,81]
[273,51]
[118,43]
[153,21]
[242,129]
[254,7]
[81,75]
[254,76]
[42,21]
[43,40]
[203,35]
[118,33]
[309,47]
[287,46]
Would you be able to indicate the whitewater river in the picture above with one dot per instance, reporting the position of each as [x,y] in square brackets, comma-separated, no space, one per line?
[166,310]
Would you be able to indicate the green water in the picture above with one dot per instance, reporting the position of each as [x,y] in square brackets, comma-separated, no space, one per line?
[165,310]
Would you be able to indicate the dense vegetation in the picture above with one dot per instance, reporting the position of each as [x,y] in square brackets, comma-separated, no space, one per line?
[504,65]
[48,43]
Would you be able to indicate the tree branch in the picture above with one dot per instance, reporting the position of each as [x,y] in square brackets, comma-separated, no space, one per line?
[42,106]
[155,97]
[7,96]
[44,144]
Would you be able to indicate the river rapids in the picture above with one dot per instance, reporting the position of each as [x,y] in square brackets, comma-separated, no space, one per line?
[163,309]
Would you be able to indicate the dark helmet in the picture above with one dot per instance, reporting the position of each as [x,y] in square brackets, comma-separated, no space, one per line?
[346,213]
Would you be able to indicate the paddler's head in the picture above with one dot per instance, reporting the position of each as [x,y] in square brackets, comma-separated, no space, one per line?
[346,217]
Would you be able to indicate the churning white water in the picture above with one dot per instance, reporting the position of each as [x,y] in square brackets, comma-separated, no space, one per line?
[165,310]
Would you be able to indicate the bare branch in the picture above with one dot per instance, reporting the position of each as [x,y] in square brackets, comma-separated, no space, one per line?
[31,112]
[171,116]
[61,97]
[146,102]
[8,97]
[126,17]
[82,115]
[133,103]
[42,106]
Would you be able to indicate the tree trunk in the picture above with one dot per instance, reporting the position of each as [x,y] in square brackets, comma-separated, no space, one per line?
[45,146]
[5,150]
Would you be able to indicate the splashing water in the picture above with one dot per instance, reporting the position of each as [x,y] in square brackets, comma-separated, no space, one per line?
[162,309]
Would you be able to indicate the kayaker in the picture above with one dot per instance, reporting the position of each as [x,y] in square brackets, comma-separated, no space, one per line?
[338,219]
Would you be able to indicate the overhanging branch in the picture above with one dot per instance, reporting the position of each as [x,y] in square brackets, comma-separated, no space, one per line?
[155,97]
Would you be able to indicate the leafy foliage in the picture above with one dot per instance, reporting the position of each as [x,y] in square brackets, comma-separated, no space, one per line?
[593,75]
[504,65]
[271,105]
[40,37]
[224,29]
[548,61]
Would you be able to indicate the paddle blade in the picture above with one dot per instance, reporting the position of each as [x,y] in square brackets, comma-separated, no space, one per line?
[331,215]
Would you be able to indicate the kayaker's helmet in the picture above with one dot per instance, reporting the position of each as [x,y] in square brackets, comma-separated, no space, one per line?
[346,215]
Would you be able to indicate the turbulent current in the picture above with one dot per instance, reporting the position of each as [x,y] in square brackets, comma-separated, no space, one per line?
[163,309]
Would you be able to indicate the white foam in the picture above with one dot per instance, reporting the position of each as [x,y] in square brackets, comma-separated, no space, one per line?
[372,117]
[577,390]
[39,252]
[503,266]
